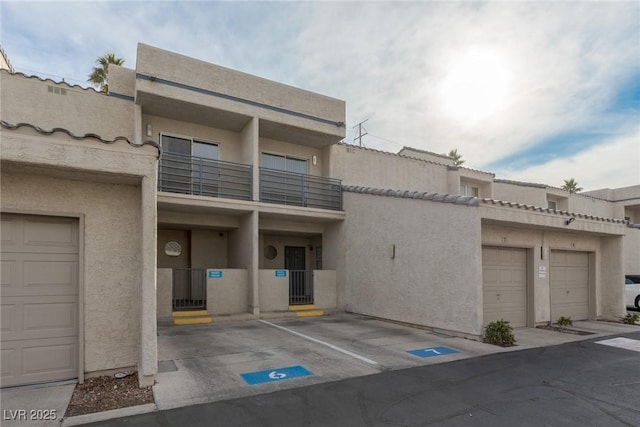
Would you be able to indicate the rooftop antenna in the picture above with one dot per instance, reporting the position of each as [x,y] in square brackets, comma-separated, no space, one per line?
[360,134]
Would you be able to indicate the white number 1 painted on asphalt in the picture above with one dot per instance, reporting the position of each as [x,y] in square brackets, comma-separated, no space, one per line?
[434,350]
[275,375]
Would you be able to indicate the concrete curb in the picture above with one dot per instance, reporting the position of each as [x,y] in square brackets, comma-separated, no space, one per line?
[108,415]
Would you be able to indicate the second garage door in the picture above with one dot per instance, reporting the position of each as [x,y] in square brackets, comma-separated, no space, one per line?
[504,283]
[39,299]
[569,282]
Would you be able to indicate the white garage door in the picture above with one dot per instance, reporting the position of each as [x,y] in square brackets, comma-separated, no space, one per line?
[569,283]
[39,299]
[504,281]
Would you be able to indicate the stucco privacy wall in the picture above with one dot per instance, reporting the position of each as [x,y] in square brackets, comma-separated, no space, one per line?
[81,111]
[434,279]
[173,67]
[378,169]
[227,291]
[111,258]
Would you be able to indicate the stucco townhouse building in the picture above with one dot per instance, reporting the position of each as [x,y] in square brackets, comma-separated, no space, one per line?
[191,191]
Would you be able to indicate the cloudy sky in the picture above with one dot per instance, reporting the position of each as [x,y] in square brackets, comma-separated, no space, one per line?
[532,91]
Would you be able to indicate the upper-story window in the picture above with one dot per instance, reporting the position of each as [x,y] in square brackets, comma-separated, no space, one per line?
[189,147]
[552,204]
[467,190]
[284,163]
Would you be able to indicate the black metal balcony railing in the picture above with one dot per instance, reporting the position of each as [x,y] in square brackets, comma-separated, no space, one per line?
[296,189]
[179,173]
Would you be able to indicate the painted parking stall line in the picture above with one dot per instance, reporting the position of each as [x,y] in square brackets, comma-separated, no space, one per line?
[432,351]
[271,375]
[621,342]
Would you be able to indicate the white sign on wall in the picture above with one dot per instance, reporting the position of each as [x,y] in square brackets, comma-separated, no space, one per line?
[542,271]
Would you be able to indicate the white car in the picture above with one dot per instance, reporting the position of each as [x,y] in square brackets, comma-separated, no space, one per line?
[632,291]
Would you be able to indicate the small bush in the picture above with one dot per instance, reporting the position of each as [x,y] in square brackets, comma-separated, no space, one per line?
[563,322]
[499,332]
[631,318]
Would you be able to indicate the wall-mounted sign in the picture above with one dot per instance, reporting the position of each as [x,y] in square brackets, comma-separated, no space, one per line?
[542,271]
[215,274]
[281,273]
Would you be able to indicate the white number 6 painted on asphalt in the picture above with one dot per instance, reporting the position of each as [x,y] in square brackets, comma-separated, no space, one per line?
[275,375]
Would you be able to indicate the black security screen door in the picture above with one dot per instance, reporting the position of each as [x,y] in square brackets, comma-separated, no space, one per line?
[300,280]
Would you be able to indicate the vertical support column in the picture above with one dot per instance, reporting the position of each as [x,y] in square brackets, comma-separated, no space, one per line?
[254,283]
[453,180]
[609,281]
[148,364]
[250,140]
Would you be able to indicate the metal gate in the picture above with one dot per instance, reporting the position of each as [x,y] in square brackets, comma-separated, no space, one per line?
[300,287]
[189,289]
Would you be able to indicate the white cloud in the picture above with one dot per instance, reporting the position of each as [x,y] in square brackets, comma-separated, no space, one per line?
[613,164]
[387,60]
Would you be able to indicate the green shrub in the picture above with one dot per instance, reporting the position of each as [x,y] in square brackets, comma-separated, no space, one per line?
[499,332]
[563,322]
[631,318]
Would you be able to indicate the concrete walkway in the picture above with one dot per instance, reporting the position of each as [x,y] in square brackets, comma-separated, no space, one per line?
[204,363]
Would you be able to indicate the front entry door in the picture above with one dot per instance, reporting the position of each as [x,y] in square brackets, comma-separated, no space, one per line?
[300,291]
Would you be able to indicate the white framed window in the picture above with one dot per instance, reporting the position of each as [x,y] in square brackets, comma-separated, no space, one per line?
[467,190]
[284,163]
[552,204]
[192,147]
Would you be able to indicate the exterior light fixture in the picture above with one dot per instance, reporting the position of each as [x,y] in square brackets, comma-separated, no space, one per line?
[149,131]
[570,220]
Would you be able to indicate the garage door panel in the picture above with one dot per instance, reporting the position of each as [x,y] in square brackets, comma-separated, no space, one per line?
[49,360]
[40,318]
[60,274]
[40,274]
[569,285]
[8,316]
[504,285]
[39,299]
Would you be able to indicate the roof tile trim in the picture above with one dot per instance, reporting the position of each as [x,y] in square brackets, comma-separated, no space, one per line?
[553,211]
[467,200]
[389,153]
[26,76]
[79,137]
[419,195]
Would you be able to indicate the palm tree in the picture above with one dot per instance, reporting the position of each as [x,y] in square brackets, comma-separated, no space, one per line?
[571,185]
[99,76]
[457,158]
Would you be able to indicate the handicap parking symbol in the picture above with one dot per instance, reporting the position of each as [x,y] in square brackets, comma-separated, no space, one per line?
[270,375]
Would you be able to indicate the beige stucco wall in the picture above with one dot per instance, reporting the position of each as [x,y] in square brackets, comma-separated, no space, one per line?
[274,291]
[111,262]
[208,248]
[80,111]
[178,68]
[325,292]
[229,145]
[164,293]
[227,294]
[435,277]
[377,169]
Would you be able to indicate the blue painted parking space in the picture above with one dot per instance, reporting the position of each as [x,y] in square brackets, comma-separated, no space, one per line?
[432,351]
[279,374]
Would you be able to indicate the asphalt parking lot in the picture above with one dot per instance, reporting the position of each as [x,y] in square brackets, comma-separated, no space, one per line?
[206,363]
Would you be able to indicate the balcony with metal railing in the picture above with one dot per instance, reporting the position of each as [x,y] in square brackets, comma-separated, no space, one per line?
[178,173]
[297,189]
